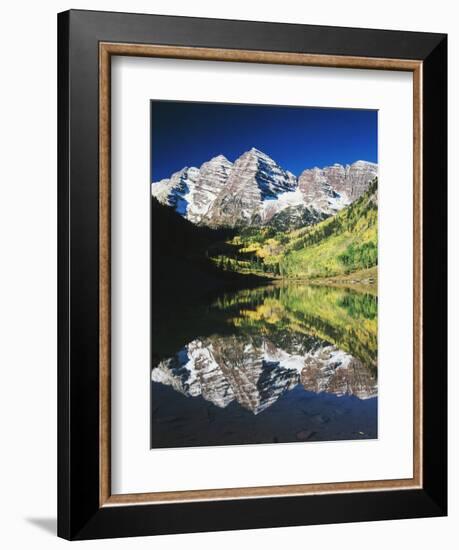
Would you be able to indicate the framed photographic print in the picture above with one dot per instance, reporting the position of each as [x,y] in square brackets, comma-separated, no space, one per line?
[252,274]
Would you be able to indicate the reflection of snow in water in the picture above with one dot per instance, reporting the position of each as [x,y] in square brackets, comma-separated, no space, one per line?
[255,372]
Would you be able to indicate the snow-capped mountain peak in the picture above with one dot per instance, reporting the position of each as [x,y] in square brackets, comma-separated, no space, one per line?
[255,190]
[219,159]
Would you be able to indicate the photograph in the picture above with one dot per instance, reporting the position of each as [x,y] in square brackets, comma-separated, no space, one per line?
[264,274]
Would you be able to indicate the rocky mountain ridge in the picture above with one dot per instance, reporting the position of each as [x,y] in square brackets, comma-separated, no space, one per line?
[256,191]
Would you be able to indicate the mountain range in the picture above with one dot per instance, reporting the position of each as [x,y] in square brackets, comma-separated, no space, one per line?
[256,191]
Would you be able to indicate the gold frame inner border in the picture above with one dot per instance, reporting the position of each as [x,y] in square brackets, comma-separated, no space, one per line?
[106,51]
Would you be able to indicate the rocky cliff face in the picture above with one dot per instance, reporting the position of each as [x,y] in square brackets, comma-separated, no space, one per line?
[319,188]
[336,186]
[255,190]
[192,191]
[255,372]
[254,180]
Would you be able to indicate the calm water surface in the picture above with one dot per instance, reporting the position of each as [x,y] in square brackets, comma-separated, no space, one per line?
[283,363]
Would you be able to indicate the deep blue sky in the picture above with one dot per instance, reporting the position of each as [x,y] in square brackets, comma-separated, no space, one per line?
[188,134]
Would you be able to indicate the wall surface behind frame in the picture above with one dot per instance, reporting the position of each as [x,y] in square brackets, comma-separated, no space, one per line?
[28,273]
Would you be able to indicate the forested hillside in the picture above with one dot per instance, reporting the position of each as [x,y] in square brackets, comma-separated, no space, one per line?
[340,245]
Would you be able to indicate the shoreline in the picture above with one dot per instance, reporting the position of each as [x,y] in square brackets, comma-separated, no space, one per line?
[365,280]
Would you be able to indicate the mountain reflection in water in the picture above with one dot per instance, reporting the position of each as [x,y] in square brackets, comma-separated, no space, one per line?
[272,364]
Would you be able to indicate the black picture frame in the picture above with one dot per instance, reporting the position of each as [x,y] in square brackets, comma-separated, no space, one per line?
[80,515]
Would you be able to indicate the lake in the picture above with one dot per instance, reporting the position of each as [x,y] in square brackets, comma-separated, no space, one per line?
[287,362]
